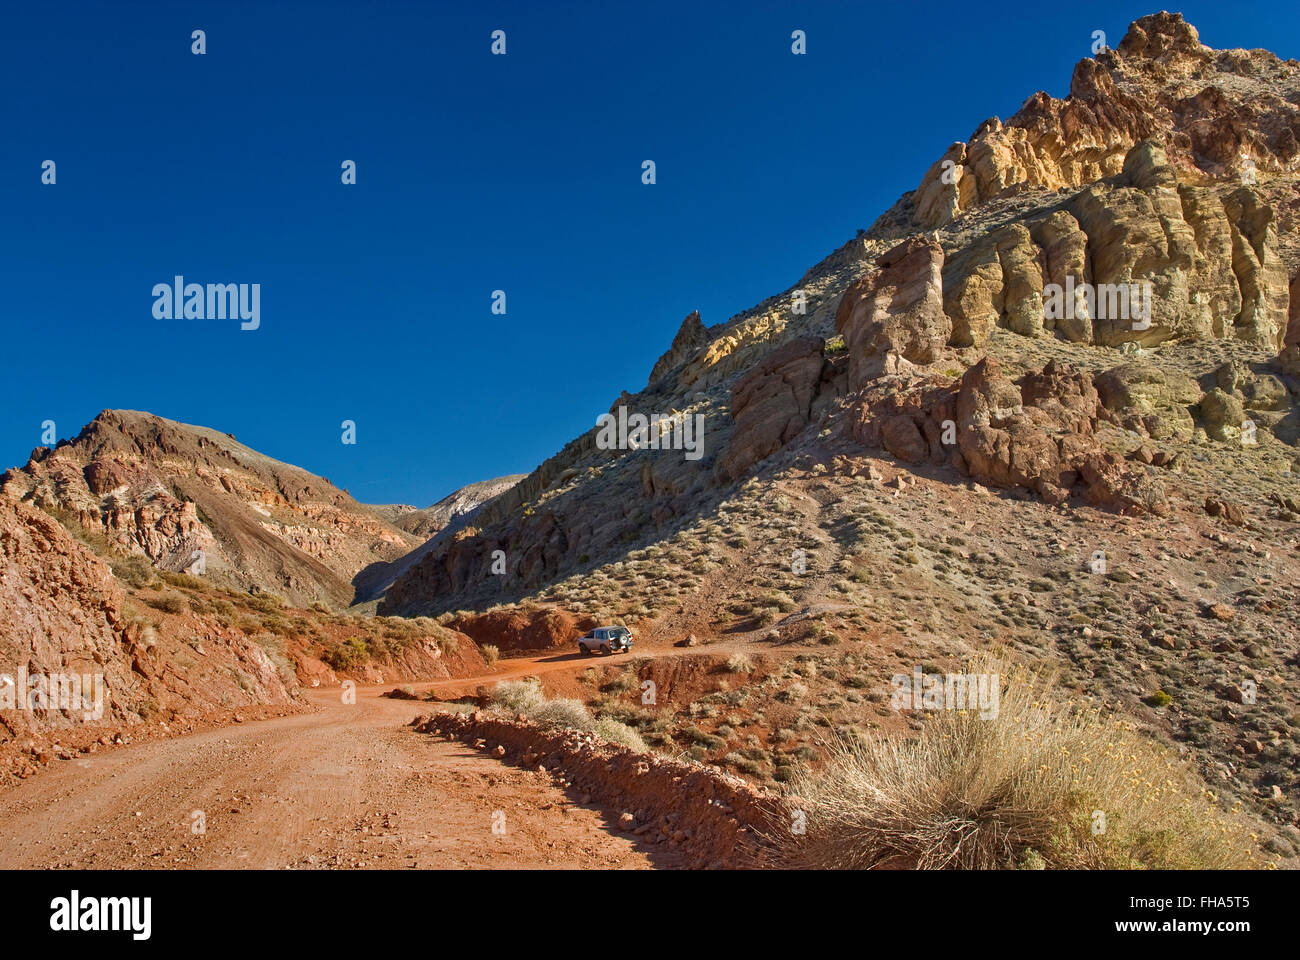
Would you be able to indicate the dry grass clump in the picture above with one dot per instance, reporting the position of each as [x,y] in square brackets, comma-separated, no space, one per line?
[514,697]
[525,696]
[1024,788]
[518,696]
[563,712]
[615,731]
[740,663]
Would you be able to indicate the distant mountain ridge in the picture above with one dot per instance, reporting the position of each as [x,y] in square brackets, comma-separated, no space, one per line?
[433,524]
[166,490]
[425,522]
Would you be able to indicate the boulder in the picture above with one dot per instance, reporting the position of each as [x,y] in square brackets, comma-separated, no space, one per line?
[1149,400]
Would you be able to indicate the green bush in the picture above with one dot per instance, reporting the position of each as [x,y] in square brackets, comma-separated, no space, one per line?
[345,656]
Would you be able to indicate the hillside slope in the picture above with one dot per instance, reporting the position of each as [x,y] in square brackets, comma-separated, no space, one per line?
[164,490]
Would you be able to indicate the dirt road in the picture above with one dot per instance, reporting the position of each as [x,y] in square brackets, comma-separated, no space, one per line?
[347,786]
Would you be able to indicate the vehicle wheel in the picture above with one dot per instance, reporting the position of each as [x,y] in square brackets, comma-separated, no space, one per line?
[583,650]
[604,648]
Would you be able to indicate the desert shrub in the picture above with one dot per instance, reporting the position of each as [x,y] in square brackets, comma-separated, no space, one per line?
[796,691]
[168,603]
[1159,699]
[448,645]
[278,626]
[186,581]
[1022,786]
[563,712]
[265,602]
[740,663]
[135,571]
[623,683]
[636,717]
[345,656]
[491,653]
[400,630]
[518,696]
[612,731]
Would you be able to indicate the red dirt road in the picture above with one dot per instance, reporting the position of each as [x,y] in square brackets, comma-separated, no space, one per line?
[348,786]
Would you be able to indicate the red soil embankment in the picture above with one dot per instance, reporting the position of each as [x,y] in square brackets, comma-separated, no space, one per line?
[541,628]
[717,821]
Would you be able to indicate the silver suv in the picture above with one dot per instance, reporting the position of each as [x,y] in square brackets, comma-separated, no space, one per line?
[606,640]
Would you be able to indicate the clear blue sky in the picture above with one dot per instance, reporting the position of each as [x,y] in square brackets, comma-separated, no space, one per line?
[475,173]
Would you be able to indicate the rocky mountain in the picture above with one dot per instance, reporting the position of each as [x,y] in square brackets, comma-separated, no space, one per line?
[170,491]
[456,507]
[1169,172]
[1049,402]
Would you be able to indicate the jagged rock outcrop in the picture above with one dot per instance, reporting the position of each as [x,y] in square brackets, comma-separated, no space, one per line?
[893,319]
[774,402]
[691,336]
[1167,171]
[1160,82]
[1035,433]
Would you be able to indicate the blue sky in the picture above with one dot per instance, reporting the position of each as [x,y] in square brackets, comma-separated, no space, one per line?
[474,173]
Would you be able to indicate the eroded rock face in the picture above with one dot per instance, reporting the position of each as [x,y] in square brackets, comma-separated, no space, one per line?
[773,403]
[893,319]
[60,612]
[1138,258]
[62,615]
[1036,433]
